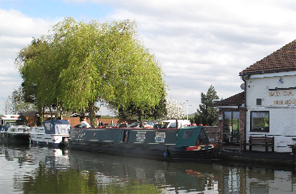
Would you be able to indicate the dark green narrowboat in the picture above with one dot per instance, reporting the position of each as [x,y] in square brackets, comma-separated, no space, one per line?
[190,143]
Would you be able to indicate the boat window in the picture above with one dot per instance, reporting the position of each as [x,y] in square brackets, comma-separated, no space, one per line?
[188,134]
[202,138]
[140,137]
[159,137]
[47,126]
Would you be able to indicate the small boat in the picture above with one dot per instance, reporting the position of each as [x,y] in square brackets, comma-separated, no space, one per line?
[190,143]
[52,133]
[15,133]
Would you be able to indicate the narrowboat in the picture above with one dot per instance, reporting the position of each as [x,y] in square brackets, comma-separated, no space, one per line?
[15,133]
[171,143]
[53,133]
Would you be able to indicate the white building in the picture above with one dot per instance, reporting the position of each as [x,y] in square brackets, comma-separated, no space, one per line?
[270,94]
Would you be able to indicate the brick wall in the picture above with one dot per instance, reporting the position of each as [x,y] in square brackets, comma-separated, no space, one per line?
[76,120]
[214,134]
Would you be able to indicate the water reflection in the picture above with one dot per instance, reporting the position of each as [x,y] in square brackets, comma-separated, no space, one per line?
[169,176]
[46,170]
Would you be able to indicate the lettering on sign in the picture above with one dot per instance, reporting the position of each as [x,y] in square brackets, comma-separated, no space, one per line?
[290,101]
[274,93]
[278,102]
[288,93]
[280,94]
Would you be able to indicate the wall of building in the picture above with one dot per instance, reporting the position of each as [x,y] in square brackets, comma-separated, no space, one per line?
[278,94]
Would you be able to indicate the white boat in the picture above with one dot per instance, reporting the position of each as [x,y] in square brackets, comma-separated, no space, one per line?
[15,133]
[52,133]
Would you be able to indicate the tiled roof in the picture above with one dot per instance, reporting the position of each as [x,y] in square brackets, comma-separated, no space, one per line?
[281,60]
[235,100]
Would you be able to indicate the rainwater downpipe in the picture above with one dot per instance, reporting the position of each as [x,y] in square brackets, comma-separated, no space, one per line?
[244,78]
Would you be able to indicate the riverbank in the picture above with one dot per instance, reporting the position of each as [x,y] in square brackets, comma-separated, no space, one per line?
[234,153]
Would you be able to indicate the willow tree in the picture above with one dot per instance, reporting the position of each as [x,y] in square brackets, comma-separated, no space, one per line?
[95,61]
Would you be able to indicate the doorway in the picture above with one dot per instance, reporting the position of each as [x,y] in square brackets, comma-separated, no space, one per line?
[231,127]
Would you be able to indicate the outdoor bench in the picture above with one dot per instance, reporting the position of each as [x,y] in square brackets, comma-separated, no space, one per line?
[293,146]
[260,140]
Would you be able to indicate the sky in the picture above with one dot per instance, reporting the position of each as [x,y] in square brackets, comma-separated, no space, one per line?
[197,43]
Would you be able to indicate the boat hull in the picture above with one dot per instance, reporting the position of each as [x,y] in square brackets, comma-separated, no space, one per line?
[49,139]
[158,152]
[15,138]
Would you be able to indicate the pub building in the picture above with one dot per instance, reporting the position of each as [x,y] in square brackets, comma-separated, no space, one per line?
[267,107]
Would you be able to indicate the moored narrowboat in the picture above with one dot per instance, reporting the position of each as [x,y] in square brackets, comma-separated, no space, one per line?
[190,143]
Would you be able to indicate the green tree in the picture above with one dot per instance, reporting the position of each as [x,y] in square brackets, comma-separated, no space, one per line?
[39,77]
[105,62]
[88,62]
[207,114]
[132,111]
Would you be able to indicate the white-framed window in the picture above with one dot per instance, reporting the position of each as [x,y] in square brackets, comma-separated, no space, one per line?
[260,121]
[160,137]
[140,137]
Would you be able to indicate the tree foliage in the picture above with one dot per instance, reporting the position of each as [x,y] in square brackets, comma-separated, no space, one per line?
[156,112]
[79,63]
[15,103]
[207,114]
[38,84]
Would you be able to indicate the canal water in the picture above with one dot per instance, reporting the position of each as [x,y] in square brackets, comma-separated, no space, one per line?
[26,169]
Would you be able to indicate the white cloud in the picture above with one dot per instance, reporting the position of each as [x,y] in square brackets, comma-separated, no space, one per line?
[198,43]
[16,32]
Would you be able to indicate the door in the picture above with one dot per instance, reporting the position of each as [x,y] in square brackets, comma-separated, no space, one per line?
[231,126]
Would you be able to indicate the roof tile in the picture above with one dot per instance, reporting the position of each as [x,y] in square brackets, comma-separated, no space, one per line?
[235,100]
[283,59]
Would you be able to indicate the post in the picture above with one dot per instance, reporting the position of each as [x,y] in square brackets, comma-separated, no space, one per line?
[250,143]
[266,144]
[187,108]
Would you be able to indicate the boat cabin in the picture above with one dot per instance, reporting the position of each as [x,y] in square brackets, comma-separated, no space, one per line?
[56,126]
[8,118]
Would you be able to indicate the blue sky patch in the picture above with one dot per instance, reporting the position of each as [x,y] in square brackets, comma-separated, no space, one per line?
[54,8]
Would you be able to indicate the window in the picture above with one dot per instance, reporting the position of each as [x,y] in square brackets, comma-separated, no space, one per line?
[259,101]
[188,134]
[140,137]
[159,137]
[202,138]
[260,121]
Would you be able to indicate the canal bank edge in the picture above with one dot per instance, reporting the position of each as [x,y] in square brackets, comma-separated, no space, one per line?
[266,158]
